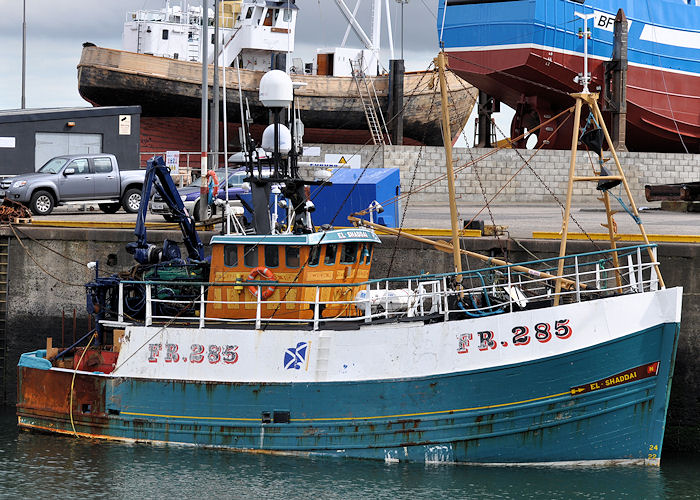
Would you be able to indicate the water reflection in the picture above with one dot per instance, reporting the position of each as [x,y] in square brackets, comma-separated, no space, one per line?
[39,465]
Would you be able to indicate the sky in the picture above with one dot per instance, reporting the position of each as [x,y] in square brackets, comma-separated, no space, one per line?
[57,30]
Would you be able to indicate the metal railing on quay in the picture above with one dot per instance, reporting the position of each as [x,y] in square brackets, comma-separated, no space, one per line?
[187,172]
[498,289]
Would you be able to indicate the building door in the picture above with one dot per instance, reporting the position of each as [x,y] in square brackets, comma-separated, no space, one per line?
[50,144]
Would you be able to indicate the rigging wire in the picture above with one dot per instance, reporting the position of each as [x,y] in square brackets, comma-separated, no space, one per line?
[478,178]
[483,156]
[539,178]
[551,193]
[410,188]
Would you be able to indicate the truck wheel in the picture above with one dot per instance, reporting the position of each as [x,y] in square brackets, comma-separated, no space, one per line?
[41,203]
[131,201]
[109,208]
[210,212]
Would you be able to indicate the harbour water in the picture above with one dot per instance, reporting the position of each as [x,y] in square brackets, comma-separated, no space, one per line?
[35,465]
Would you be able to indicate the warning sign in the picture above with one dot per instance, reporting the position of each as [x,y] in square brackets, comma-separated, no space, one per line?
[349,160]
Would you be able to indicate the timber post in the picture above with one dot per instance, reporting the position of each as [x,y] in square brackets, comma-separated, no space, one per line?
[395,111]
[615,88]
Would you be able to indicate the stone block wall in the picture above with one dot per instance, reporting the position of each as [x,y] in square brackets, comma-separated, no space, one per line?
[536,176]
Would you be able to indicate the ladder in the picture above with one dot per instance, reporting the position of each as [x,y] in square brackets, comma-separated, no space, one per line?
[139,38]
[371,106]
[193,47]
[4,266]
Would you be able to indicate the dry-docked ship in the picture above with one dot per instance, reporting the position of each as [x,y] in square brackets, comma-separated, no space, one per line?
[159,70]
[527,53]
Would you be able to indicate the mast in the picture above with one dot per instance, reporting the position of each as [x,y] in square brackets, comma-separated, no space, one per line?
[205,112]
[440,62]
[590,101]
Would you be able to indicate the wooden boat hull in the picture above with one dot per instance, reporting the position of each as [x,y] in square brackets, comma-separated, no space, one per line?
[172,88]
[595,391]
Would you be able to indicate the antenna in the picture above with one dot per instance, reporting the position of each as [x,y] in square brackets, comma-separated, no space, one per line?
[585,77]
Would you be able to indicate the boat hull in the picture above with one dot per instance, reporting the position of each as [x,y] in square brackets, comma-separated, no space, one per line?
[605,402]
[330,106]
[527,53]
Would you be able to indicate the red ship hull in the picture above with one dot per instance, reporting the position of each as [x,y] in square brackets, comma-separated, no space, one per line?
[662,106]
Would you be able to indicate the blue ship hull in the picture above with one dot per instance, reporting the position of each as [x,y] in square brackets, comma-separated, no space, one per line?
[527,52]
[602,403]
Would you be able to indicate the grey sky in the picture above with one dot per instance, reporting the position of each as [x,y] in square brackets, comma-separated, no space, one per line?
[57,29]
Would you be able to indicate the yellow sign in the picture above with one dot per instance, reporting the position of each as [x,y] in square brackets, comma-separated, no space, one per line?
[342,160]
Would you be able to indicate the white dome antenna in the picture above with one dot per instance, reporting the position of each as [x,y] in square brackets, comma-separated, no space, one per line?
[284,139]
[276,89]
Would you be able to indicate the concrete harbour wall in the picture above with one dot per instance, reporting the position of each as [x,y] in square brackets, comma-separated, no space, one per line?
[421,164]
[43,284]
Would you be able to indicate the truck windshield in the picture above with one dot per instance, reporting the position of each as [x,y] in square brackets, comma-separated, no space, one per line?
[53,166]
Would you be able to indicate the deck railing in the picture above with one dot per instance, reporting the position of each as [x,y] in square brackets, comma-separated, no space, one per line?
[483,292]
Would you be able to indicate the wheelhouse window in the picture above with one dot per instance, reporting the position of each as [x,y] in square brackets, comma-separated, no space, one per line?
[331,251]
[291,254]
[348,254]
[250,255]
[366,256]
[314,255]
[230,255]
[272,256]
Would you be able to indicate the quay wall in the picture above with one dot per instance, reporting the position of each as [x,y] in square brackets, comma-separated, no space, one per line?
[47,271]
[543,174]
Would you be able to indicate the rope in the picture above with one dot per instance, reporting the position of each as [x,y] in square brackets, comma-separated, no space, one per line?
[551,193]
[60,280]
[631,214]
[478,179]
[72,383]
[410,188]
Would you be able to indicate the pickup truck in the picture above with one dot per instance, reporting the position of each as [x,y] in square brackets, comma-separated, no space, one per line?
[77,178]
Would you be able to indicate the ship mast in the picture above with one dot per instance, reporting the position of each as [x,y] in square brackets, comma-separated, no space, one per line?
[590,100]
[440,63]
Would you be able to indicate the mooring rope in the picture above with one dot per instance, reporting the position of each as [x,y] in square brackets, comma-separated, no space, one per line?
[72,383]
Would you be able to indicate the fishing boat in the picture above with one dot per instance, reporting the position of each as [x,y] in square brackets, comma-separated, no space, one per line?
[160,70]
[282,343]
[527,54]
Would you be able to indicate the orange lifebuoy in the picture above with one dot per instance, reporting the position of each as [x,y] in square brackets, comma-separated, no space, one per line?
[212,175]
[264,273]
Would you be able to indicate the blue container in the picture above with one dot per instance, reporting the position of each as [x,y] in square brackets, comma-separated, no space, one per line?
[353,190]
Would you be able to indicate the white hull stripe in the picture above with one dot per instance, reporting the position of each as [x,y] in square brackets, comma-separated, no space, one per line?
[668,36]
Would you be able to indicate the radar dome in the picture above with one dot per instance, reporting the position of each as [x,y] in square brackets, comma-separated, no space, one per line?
[285,139]
[276,89]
